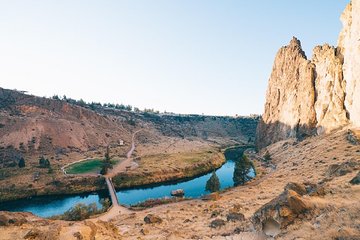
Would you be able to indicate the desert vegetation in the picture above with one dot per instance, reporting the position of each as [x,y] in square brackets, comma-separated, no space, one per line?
[82,211]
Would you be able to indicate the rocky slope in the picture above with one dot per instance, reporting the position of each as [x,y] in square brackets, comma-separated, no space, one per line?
[307,97]
[309,190]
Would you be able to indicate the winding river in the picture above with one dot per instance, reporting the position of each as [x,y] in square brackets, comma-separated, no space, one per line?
[230,174]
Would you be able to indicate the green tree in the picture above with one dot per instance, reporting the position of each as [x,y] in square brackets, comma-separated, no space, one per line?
[128,107]
[213,184]
[242,171]
[55,97]
[44,162]
[106,162]
[21,163]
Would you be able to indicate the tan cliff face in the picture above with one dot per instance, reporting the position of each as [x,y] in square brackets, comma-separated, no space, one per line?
[290,96]
[329,89]
[314,97]
[349,44]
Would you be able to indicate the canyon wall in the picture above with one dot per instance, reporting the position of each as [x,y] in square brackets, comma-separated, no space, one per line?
[308,97]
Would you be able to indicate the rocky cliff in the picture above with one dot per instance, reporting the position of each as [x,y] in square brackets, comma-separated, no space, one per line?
[307,97]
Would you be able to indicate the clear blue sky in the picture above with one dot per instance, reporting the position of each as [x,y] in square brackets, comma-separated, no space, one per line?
[184,56]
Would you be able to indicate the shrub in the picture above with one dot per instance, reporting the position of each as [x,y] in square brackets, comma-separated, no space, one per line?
[82,211]
[267,157]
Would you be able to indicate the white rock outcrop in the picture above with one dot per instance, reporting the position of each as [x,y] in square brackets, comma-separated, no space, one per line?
[349,44]
[314,97]
[329,89]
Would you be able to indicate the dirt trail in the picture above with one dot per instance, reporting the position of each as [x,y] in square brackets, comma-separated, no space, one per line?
[128,163]
[122,166]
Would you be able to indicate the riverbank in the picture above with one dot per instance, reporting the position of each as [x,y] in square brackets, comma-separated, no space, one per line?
[160,168]
[175,167]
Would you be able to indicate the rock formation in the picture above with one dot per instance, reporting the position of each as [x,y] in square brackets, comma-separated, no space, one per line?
[349,44]
[290,96]
[329,88]
[307,97]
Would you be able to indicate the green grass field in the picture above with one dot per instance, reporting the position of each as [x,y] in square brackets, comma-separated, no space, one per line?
[87,166]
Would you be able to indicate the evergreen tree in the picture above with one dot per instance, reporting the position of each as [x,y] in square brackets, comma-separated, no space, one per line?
[242,171]
[21,163]
[213,184]
[106,162]
[44,162]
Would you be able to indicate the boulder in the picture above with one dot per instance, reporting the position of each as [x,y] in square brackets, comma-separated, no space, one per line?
[296,203]
[356,179]
[352,138]
[235,217]
[178,193]
[282,210]
[336,170]
[297,187]
[217,223]
[150,218]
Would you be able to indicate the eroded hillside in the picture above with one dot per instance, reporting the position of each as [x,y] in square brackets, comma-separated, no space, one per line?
[64,132]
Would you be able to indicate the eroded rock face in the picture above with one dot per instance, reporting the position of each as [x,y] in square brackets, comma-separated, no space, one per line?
[314,97]
[329,89]
[349,44]
[290,98]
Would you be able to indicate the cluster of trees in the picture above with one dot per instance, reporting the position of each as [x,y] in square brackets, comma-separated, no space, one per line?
[43,162]
[82,211]
[97,105]
[151,110]
[94,105]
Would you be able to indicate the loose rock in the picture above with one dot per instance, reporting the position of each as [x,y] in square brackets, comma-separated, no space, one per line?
[150,218]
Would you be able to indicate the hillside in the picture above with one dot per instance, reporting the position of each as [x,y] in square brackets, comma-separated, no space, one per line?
[66,131]
[307,161]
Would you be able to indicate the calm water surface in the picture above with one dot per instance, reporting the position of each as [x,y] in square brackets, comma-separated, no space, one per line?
[193,188]
[232,173]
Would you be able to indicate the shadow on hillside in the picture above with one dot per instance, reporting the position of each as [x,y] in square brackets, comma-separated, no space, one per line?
[267,134]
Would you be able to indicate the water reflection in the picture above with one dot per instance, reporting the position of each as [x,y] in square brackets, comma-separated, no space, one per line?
[243,171]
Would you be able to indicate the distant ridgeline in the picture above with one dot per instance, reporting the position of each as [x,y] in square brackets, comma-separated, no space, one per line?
[39,125]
